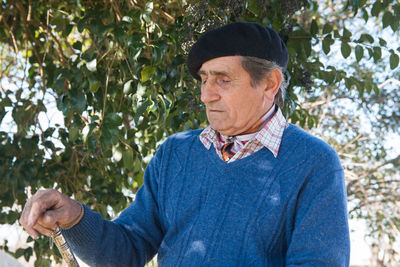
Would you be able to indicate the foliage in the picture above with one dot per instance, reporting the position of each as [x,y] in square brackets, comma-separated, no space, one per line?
[116,70]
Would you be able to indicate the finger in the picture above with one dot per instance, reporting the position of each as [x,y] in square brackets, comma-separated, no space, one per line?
[23,220]
[40,205]
[28,207]
[43,230]
[32,232]
[36,210]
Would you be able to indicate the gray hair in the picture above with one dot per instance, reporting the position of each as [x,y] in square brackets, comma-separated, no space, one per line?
[258,68]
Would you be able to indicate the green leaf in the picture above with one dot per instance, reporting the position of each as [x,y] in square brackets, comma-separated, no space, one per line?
[127,87]
[359,51]
[127,158]
[127,19]
[345,49]
[327,28]
[109,136]
[49,132]
[336,34]
[147,73]
[365,38]
[140,91]
[394,61]
[377,53]
[365,15]
[149,7]
[310,122]
[326,45]
[376,8]
[146,18]
[346,34]
[395,23]
[77,100]
[2,113]
[382,42]
[94,84]
[141,109]
[112,120]
[348,83]
[19,252]
[91,143]
[49,145]
[314,27]
[368,86]
[73,134]
[77,45]
[387,19]
[116,153]
[88,130]
[370,52]
[28,253]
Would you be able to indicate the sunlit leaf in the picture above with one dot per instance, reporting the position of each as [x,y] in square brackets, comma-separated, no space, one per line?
[91,65]
[94,84]
[147,73]
[128,87]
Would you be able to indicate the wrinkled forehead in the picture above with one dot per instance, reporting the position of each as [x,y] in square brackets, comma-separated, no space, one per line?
[221,66]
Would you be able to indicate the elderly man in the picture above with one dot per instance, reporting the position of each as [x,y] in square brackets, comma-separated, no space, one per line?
[248,190]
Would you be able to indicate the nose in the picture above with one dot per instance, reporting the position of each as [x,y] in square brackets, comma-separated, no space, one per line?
[209,92]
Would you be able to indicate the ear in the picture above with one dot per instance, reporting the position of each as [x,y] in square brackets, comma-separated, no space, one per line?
[272,83]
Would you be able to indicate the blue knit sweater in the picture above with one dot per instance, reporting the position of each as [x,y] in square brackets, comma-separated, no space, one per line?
[196,210]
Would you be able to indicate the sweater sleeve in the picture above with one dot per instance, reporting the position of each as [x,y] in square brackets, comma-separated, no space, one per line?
[130,240]
[320,234]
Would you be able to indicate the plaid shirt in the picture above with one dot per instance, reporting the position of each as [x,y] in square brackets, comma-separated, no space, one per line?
[269,136]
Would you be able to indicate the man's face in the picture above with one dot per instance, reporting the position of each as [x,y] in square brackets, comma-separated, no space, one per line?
[232,104]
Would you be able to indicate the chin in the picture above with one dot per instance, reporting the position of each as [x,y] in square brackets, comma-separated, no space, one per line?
[223,132]
[222,129]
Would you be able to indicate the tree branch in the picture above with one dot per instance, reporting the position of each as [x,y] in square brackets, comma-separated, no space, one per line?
[391,80]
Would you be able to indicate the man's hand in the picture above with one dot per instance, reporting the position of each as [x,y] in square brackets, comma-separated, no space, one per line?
[46,210]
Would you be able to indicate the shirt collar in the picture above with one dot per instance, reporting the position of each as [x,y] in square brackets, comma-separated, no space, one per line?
[269,136]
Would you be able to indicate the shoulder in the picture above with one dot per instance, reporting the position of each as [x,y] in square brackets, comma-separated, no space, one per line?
[181,140]
[176,148]
[306,146]
[185,136]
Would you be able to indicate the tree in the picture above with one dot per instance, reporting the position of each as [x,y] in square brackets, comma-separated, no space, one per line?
[116,70]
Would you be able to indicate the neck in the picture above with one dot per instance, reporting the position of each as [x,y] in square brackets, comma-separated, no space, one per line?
[256,126]
[260,122]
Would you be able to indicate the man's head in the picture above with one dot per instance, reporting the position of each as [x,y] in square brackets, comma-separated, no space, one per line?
[240,66]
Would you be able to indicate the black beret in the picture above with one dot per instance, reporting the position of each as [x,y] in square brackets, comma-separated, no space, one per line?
[238,39]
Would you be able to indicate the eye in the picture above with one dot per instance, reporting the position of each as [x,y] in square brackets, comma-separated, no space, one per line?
[223,81]
[203,81]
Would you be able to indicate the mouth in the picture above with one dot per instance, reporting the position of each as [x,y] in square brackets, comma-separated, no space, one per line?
[214,110]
